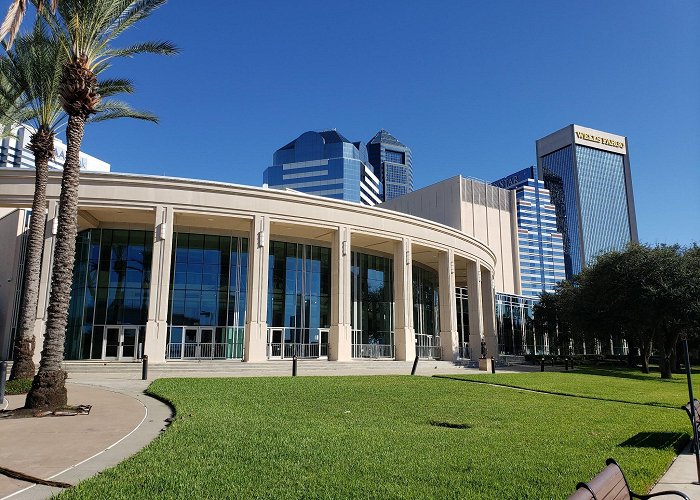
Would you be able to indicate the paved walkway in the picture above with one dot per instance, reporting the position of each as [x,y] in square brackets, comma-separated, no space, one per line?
[69,449]
[123,420]
[682,476]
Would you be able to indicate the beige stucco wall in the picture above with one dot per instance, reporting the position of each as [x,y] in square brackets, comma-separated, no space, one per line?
[10,229]
[439,202]
[163,204]
[478,209]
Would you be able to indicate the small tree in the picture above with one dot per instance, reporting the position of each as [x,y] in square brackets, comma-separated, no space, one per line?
[32,71]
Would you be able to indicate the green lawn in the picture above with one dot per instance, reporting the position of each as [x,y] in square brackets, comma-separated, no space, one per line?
[371,437]
[20,386]
[601,383]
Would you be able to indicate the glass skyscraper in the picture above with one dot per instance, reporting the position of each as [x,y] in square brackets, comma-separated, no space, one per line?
[392,164]
[540,244]
[587,173]
[325,164]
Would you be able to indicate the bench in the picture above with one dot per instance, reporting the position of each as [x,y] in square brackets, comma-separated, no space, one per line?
[694,419]
[611,484]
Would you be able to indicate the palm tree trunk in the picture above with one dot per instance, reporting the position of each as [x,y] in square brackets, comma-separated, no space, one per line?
[23,363]
[48,387]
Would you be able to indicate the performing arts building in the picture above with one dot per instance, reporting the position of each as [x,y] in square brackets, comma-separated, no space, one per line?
[189,269]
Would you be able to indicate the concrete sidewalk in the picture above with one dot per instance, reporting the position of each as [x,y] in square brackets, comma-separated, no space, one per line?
[681,476]
[69,449]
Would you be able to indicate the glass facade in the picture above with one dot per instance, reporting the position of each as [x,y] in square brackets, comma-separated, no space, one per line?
[299,300]
[587,187]
[372,299]
[540,244]
[392,164]
[463,322]
[426,312]
[109,297]
[325,164]
[515,326]
[208,288]
[605,223]
[559,178]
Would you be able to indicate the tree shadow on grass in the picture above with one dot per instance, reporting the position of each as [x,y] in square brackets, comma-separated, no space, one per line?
[611,372]
[657,440]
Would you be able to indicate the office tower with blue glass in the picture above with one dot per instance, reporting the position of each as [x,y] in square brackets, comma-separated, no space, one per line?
[587,173]
[325,164]
[392,164]
[540,244]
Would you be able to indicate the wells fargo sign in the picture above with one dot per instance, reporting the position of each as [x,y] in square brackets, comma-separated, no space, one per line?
[600,140]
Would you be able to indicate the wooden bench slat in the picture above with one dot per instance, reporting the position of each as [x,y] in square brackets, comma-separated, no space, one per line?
[581,494]
[610,484]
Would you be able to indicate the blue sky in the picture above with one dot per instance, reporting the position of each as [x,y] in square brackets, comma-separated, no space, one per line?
[469,86]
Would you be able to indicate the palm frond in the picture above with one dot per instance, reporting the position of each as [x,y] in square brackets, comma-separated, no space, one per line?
[110,87]
[130,12]
[31,74]
[112,109]
[12,21]
[163,48]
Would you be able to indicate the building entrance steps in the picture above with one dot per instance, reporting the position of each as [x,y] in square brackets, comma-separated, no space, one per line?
[83,371]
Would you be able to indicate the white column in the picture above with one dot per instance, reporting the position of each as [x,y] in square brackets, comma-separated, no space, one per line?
[258,267]
[340,342]
[476,327]
[448,306]
[489,316]
[156,339]
[404,334]
[45,279]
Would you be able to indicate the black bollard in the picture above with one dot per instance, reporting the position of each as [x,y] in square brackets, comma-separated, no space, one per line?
[552,360]
[3,378]
[493,365]
[566,364]
[294,366]
[542,365]
[144,368]
[415,365]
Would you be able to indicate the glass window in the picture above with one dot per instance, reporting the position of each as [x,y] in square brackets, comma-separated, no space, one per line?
[110,286]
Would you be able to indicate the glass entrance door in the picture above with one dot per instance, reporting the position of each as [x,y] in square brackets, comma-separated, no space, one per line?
[300,342]
[130,337]
[206,337]
[120,342]
[274,342]
[111,342]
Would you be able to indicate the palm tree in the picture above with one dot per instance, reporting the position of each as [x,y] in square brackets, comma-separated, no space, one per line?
[88,28]
[32,71]
[13,19]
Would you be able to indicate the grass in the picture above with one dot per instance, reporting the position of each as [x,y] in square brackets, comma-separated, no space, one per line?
[19,386]
[611,384]
[386,437]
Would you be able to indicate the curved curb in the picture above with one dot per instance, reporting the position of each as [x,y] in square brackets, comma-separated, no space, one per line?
[148,429]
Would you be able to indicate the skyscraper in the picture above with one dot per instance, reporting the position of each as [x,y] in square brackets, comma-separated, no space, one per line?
[14,153]
[587,173]
[325,164]
[392,164]
[540,245]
